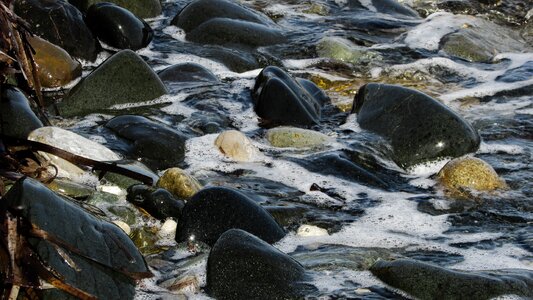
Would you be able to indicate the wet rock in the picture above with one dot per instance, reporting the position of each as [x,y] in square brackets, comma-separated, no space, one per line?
[123,78]
[236,61]
[118,27]
[132,165]
[345,51]
[17,118]
[159,203]
[226,22]
[61,24]
[236,145]
[389,7]
[55,67]
[140,8]
[125,227]
[223,209]
[419,128]
[522,73]
[187,72]
[125,213]
[70,188]
[104,263]
[311,230]
[73,143]
[279,99]
[179,183]
[426,281]
[168,229]
[295,137]
[263,271]
[157,145]
[146,238]
[462,175]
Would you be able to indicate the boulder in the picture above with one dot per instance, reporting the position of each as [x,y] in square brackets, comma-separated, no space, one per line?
[118,27]
[236,145]
[61,24]
[283,137]
[212,211]
[159,203]
[179,183]
[419,128]
[123,78]
[187,72]
[17,118]
[55,67]
[260,272]
[157,145]
[427,281]
[141,8]
[279,99]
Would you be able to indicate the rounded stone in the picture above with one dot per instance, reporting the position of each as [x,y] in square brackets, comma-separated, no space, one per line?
[179,183]
[236,145]
[159,203]
[55,67]
[469,173]
[18,120]
[187,72]
[118,27]
[141,8]
[283,137]
[311,230]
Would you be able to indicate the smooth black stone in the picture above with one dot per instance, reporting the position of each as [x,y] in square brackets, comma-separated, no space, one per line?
[187,72]
[118,27]
[159,203]
[60,23]
[212,211]
[242,266]
[419,128]
[524,72]
[104,262]
[158,145]
[427,281]
[279,99]
[16,117]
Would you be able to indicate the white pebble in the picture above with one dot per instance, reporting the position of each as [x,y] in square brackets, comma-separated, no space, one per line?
[311,230]
[125,227]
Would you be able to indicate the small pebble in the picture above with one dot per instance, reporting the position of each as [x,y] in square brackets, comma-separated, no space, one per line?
[311,230]
[125,227]
[236,145]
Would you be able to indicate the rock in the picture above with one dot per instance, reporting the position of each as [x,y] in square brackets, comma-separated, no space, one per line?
[344,50]
[158,145]
[159,203]
[146,238]
[125,227]
[226,22]
[61,24]
[419,128]
[462,175]
[124,181]
[522,73]
[73,143]
[279,99]
[223,209]
[310,230]
[126,214]
[71,188]
[187,72]
[123,78]
[118,27]
[185,284]
[236,145]
[18,120]
[295,137]
[261,272]
[426,281]
[141,8]
[168,229]
[389,7]
[55,67]
[179,183]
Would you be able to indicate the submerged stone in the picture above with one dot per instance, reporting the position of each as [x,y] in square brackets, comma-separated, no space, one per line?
[187,72]
[159,203]
[260,272]
[18,120]
[60,23]
[426,281]
[55,67]
[141,8]
[236,145]
[344,50]
[279,99]
[419,128]
[295,137]
[212,211]
[123,78]
[179,183]
[118,27]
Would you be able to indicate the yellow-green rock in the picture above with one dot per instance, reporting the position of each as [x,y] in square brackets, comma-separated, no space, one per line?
[344,50]
[295,137]
[462,175]
[179,183]
[236,145]
[55,66]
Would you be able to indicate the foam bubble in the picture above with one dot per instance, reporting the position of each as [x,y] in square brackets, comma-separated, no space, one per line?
[495,148]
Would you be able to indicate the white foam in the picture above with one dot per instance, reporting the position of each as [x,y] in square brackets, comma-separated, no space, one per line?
[496,147]
[368,5]
[301,63]
[175,32]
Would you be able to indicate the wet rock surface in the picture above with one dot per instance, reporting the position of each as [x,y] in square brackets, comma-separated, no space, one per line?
[17,117]
[159,203]
[141,8]
[187,72]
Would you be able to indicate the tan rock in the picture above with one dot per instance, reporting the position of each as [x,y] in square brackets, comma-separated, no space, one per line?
[54,65]
[179,183]
[236,145]
[295,137]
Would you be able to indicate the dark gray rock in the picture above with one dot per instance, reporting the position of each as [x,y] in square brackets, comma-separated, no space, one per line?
[212,211]
[241,266]
[141,8]
[524,72]
[123,78]
[16,117]
[279,99]
[157,145]
[187,72]
[159,203]
[419,128]
[427,281]
[118,27]
[60,23]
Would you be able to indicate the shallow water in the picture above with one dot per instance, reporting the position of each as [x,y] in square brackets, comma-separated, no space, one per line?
[412,218]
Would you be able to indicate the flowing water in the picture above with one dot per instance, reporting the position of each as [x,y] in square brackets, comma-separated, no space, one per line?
[411,219]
